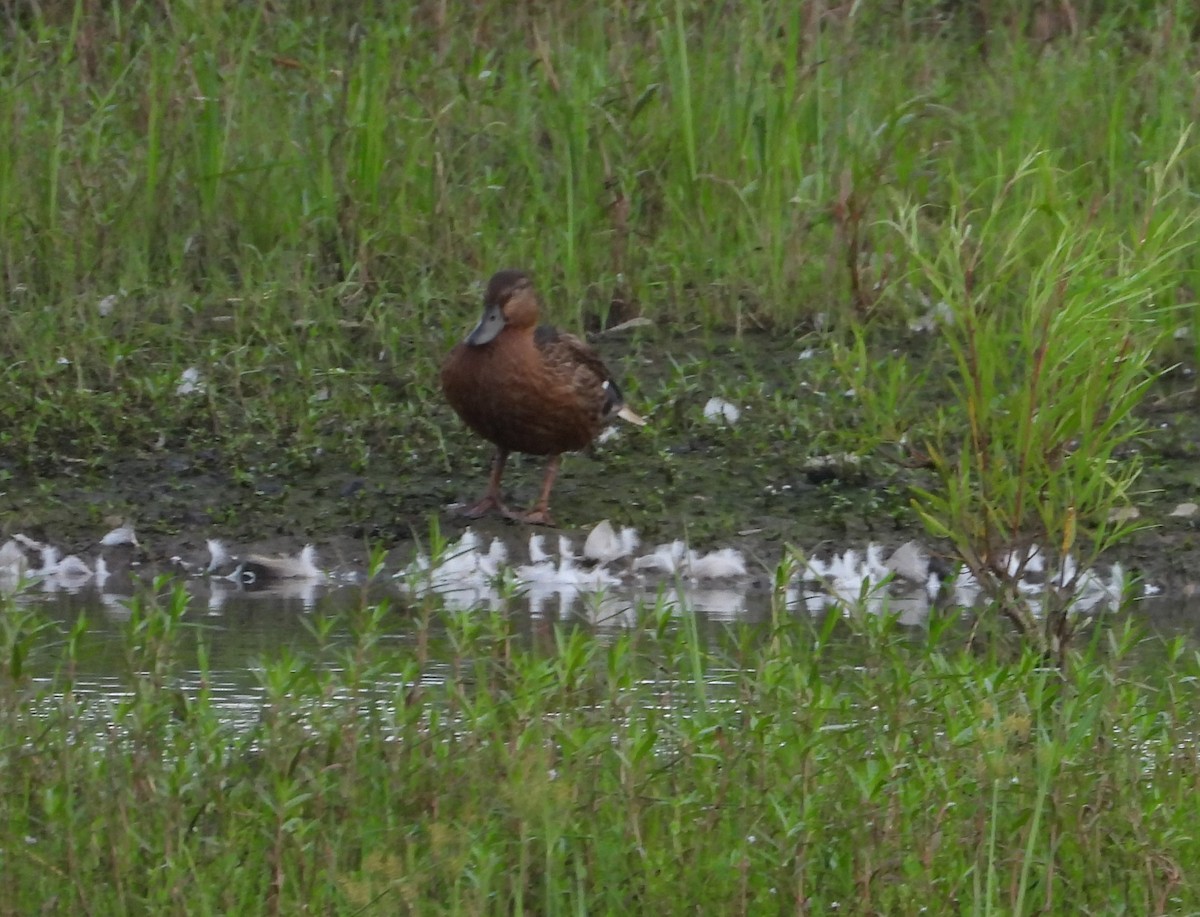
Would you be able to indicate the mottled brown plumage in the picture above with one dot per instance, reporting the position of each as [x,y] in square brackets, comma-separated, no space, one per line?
[527,389]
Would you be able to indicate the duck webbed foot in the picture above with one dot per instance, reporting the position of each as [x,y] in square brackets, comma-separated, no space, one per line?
[492,501]
[539,515]
[488,504]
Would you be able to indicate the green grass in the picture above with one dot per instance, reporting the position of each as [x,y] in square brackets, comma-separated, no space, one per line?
[279,200]
[468,769]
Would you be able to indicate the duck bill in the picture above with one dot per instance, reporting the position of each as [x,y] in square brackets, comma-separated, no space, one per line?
[489,326]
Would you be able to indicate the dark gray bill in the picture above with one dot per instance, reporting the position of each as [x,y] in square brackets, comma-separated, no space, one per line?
[489,326]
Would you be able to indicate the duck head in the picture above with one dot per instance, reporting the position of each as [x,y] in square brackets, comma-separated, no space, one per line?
[510,302]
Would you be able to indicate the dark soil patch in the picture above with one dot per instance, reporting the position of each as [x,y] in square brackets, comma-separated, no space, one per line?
[749,486]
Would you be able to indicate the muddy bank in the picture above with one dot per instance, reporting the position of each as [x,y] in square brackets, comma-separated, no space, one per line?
[177,505]
[757,485]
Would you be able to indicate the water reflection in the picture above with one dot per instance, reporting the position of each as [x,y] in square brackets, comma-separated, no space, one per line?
[242,621]
[604,584]
[244,610]
[249,605]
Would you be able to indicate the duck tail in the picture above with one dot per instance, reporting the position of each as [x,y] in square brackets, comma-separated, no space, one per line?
[625,412]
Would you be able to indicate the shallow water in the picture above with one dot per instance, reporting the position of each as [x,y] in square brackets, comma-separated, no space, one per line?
[243,625]
[248,609]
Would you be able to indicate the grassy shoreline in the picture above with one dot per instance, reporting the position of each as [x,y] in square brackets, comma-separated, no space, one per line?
[788,768]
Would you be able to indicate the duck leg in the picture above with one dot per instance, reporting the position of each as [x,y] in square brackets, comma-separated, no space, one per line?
[540,513]
[492,499]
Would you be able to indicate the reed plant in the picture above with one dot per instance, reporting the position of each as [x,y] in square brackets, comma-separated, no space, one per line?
[1053,319]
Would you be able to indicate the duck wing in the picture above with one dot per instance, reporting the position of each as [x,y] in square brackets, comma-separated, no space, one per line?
[568,356]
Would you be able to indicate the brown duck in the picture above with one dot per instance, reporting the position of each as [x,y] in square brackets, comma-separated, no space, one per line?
[527,389]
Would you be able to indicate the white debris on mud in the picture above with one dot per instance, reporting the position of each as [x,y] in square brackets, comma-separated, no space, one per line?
[190,382]
[720,411]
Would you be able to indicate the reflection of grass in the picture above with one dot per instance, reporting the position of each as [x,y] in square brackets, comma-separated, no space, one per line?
[595,773]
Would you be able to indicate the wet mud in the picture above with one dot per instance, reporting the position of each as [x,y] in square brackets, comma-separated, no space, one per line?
[753,485]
